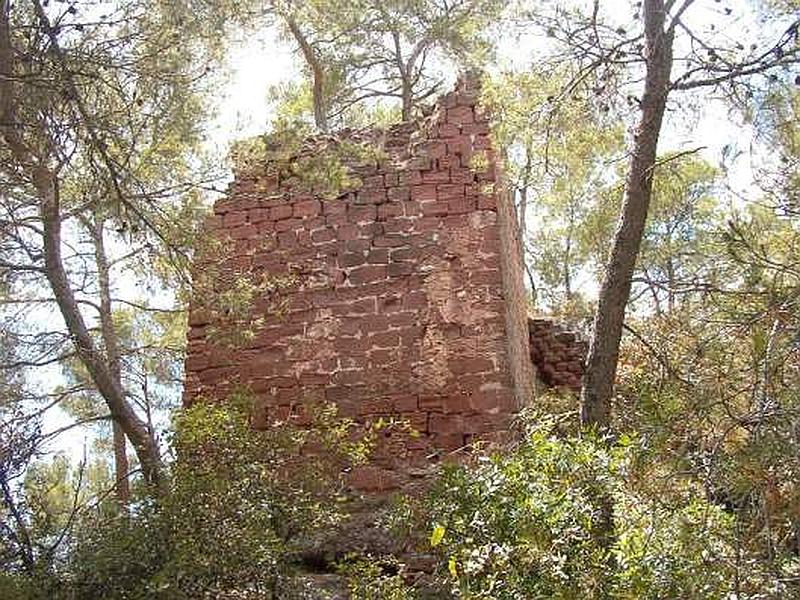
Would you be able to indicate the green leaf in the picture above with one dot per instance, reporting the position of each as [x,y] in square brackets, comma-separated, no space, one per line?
[437,535]
[451,566]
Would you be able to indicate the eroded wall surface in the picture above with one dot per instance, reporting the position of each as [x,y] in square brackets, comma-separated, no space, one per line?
[558,354]
[402,296]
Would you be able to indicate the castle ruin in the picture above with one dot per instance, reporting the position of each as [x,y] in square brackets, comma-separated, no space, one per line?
[406,299]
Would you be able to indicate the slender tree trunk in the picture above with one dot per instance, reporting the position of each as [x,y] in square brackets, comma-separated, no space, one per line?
[95,362]
[670,276]
[407,100]
[317,74]
[121,466]
[522,221]
[655,289]
[568,254]
[522,217]
[405,71]
[523,194]
[598,383]
[20,535]
[113,359]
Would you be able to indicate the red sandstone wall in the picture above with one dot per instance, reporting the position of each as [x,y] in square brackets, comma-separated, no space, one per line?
[557,354]
[400,304]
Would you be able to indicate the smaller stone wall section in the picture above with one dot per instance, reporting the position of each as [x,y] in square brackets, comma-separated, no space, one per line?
[558,354]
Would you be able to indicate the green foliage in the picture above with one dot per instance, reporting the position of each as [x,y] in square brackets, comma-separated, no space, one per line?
[38,586]
[49,490]
[38,518]
[112,106]
[674,551]
[558,156]
[322,166]
[524,524]
[712,387]
[118,558]
[368,578]
[681,236]
[703,474]
[240,504]
[779,176]
[368,54]
[521,524]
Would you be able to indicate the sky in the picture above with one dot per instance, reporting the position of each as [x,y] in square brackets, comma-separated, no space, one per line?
[254,64]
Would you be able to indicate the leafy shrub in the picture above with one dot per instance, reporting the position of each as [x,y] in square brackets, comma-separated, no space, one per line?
[14,586]
[117,558]
[368,578]
[673,551]
[528,524]
[239,503]
[522,524]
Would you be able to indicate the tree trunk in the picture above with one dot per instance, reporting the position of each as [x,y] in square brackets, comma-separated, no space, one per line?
[598,383]
[96,364]
[113,360]
[522,216]
[522,221]
[568,253]
[525,179]
[407,100]
[317,74]
[670,276]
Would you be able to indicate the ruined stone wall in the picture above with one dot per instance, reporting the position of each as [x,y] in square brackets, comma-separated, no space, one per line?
[406,297]
[400,307]
[557,354]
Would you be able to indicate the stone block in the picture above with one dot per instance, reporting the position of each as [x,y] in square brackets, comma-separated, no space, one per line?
[284,211]
[306,208]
